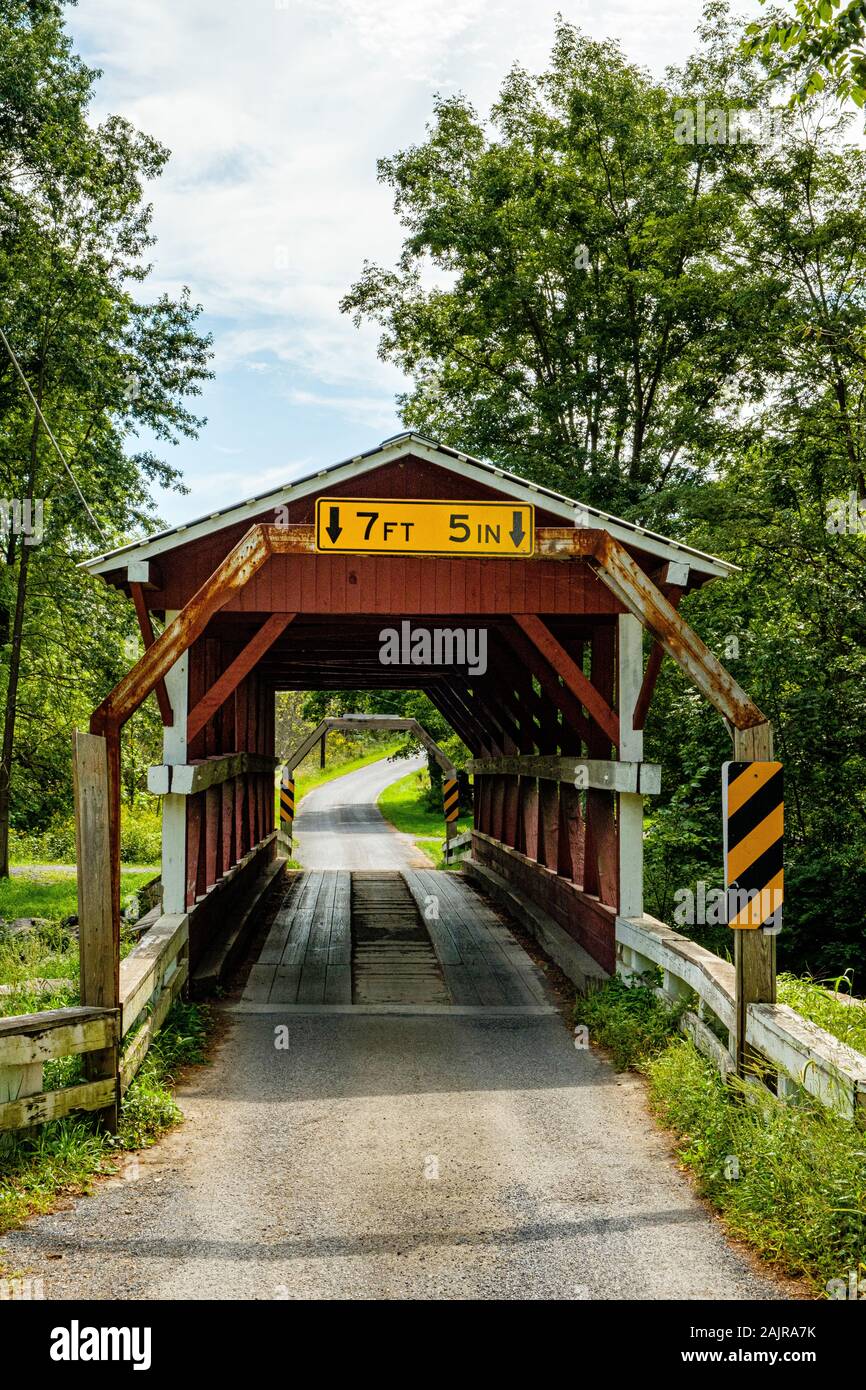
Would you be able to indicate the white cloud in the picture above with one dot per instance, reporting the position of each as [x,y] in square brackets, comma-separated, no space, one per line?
[275,112]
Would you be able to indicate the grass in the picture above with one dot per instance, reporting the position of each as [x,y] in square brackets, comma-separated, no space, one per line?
[405,805]
[64,1157]
[630,1020]
[55,895]
[50,951]
[817,1000]
[788,1177]
[316,777]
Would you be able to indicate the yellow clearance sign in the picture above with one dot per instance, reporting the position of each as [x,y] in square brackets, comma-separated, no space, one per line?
[367,526]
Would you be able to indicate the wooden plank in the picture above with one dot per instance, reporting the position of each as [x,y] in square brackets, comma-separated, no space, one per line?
[571,843]
[231,574]
[142,969]
[340,945]
[30,1039]
[528,797]
[711,978]
[706,1042]
[338,983]
[98,942]
[810,1056]
[548,814]
[257,989]
[189,779]
[673,592]
[628,582]
[558,694]
[505,958]
[97,856]
[584,690]
[136,1051]
[605,774]
[53,1105]
[228,682]
[142,613]
[303,912]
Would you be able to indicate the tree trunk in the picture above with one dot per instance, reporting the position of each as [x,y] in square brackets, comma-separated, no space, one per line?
[11,709]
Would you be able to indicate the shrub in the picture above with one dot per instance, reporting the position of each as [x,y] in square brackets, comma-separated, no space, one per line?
[629,1019]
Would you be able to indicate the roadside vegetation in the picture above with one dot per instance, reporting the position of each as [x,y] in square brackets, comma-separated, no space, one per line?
[65,1157]
[788,1177]
[341,759]
[415,807]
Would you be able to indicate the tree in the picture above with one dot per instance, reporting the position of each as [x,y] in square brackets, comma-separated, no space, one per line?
[587,311]
[100,361]
[816,47]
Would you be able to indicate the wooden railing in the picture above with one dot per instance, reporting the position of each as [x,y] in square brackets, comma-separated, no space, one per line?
[151,978]
[799,1053]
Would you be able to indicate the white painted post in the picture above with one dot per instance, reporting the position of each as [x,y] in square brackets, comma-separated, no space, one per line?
[630,805]
[174,807]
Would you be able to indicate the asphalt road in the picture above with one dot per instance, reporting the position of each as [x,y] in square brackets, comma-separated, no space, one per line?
[339,826]
[394,1155]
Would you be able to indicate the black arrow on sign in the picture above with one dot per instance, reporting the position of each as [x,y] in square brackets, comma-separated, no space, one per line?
[517,532]
[333,528]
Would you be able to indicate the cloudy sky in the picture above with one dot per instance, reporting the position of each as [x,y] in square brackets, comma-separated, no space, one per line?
[275,112]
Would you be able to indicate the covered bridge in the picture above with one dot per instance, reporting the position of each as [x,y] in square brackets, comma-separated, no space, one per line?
[275,594]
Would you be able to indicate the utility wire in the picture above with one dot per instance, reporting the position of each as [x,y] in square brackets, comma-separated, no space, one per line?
[47,427]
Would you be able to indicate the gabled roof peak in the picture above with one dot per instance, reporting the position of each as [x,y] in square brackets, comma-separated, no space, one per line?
[444,455]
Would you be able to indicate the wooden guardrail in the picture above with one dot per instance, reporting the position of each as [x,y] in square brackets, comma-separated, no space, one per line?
[799,1052]
[151,978]
[455,848]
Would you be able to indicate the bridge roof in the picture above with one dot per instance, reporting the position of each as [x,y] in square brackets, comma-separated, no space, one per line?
[408,443]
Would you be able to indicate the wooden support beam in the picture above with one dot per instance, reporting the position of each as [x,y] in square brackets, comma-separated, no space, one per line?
[99,926]
[627,581]
[146,628]
[613,775]
[629,820]
[232,676]
[673,592]
[559,695]
[593,702]
[230,575]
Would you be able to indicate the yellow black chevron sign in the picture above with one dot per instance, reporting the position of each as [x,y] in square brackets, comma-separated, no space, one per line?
[287,799]
[451,798]
[754,822]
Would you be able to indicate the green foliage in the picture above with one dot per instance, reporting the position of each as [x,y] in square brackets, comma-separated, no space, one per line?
[105,363]
[702,371]
[629,1019]
[819,1001]
[149,1108]
[413,806]
[788,1178]
[822,45]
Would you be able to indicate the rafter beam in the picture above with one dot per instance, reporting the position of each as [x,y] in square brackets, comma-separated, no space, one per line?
[673,593]
[145,626]
[593,702]
[232,676]
[627,582]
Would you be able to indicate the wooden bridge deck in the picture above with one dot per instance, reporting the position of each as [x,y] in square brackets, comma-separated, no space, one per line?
[307,958]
